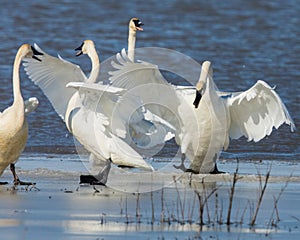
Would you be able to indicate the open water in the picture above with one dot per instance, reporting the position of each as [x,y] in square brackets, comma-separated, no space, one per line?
[245,41]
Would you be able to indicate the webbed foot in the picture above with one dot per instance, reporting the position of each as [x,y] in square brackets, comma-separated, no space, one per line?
[17,181]
[216,170]
[90,179]
[192,171]
[181,167]
[22,183]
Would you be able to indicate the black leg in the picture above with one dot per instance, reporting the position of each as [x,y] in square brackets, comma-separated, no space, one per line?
[90,179]
[192,171]
[17,181]
[216,170]
[3,183]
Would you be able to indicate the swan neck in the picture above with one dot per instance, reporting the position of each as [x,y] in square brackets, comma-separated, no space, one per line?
[206,72]
[16,79]
[95,66]
[131,44]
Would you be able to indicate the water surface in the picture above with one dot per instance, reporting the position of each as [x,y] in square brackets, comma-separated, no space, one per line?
[245,40]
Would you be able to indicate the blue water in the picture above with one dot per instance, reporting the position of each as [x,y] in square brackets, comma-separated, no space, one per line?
[245,40]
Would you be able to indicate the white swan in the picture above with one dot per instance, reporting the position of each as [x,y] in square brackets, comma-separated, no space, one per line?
[164,130]
[134,26]
[85,112]
[141,132]
[128,112]
[13,124]
[253,114]
[205,130]
[145,129]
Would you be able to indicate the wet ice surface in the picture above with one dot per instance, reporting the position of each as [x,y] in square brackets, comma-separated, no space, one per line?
[61,209]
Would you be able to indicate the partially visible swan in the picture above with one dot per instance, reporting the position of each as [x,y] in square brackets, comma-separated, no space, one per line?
[13,124]
[134,26]
[205,123]
[85,112]
[163,129]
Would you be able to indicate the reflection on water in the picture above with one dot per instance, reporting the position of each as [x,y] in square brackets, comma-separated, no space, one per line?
[246,41]
[4,222]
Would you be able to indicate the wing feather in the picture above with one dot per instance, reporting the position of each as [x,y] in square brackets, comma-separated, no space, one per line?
[52,75]
[145,80]
[255,112]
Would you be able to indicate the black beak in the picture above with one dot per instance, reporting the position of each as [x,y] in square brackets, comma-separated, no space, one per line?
[138,24]
[36,52]
[197,98]
[79,49]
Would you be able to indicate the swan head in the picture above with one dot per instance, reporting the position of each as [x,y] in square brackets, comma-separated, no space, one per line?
[28,51]
[85,47]
[206,70]
[135,24]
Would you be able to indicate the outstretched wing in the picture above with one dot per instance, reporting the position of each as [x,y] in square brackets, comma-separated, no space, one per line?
[145,80]
[98,98]
[129,74]
[255,112]
[52,75]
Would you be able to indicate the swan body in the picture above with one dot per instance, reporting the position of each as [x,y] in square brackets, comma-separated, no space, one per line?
[85,106]
[93,128]
[13,124]
[145,129]
[206,124]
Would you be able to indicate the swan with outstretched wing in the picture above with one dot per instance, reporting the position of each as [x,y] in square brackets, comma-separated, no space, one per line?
[208,119]
[86,107]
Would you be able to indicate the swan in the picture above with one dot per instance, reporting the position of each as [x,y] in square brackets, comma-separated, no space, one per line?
[85,108]
[253,113]
[164,130]
[138,125]
[189,123]
[145,130]
[13,124]
[208,120]
[134,26]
